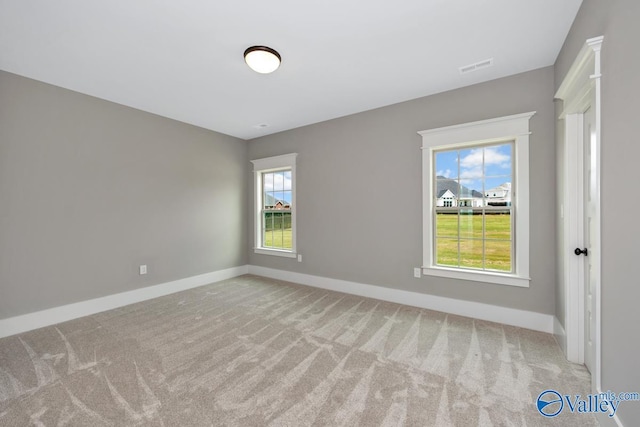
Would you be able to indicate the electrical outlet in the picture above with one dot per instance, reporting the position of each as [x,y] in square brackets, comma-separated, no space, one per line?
[417,273]
[143,269]
[299,257]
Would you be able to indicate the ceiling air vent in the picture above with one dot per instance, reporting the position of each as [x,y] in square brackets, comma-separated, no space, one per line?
[477,66]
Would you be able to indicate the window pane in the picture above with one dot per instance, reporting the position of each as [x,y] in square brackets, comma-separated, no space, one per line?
[498,191]
[471,164]
[470,193]
[447,224]
[269,221]
[498,160]
[470,224]
[277,229]
[267,184]
[278,181]
[269,200]
[447,164]
[267,236]
[287,180]
[271,233]
[287,199]
[498,225]
[447,252]
[471,253]
[498,255]
[447,193]
[278,223]
[287,237]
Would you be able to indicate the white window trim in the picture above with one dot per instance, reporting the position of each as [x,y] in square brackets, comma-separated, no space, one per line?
[510,128]
[270,164]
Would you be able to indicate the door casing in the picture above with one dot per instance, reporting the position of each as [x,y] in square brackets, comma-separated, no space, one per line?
[579,91]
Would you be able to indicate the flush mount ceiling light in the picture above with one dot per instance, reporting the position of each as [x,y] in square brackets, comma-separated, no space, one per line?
[262,59]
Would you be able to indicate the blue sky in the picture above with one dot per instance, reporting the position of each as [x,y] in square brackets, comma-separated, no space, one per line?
[489,165]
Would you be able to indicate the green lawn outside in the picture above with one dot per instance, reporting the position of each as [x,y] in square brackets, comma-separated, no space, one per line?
[469,235]
[497,252]
[278,239]
[277,232]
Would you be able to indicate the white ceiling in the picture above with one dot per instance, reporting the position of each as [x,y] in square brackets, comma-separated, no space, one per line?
[183,59]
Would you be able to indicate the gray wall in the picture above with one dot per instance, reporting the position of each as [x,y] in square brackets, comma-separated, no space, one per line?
[618,22]
[360,200]
[90,189]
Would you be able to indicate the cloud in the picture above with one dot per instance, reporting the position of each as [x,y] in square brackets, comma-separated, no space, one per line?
[471,164]
[446,173]
[277,181]
[474,172]
[491,157]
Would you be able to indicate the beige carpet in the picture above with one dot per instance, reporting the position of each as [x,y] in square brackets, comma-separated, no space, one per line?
[257,352]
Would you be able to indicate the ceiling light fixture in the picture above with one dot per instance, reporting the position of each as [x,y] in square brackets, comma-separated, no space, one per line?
[262,59]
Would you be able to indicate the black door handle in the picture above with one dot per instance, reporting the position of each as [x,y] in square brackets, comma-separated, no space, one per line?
[579,251]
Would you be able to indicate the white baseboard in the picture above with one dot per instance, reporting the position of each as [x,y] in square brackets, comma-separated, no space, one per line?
[508,316]
[606,421]
[39,319]
[560,335]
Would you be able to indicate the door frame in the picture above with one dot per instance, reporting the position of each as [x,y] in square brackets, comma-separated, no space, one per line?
[580,90]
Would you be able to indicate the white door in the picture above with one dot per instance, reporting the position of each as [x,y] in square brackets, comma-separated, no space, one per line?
[580,212]
[590,219]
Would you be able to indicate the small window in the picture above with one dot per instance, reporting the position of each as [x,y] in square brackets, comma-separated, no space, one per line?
[483,233]
[275,215]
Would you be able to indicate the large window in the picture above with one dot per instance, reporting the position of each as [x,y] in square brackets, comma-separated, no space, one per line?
[472,209]
[476,201]
[275,231]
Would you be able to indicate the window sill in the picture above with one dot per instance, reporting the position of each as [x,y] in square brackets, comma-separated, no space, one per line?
[276,252]
[478,276]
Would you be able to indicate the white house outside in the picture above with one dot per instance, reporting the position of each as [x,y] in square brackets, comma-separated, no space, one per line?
[450,194]
[499,196]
